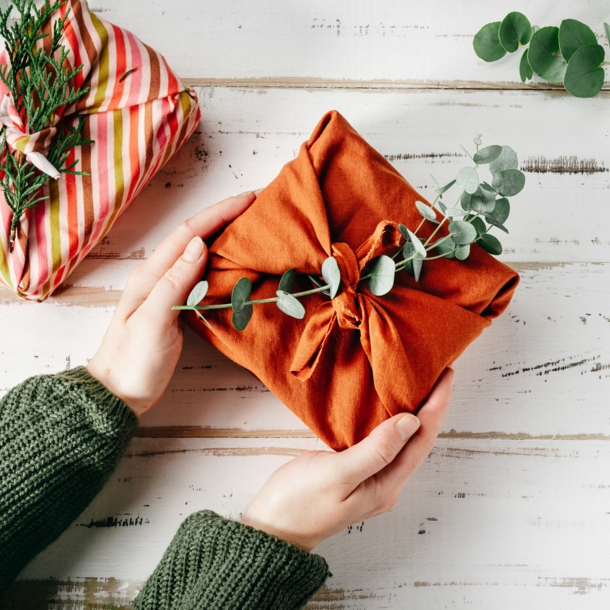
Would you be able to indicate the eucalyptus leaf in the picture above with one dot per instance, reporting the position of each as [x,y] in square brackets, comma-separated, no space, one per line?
[515,30]
[383,271]
[462,252]
[319,284]
[525,70]
[417,244]
[556,71]
[240,293]
[483,200]
[506,160]
[479,225]
[455,213]
[288,281]
[543,47]
[487,44]
[241,318]
[290,305]
[510,182]
[198,293]
[426,211]
[487,154]
[467,179]
[477,140]
[404,231]
[418,263]
[500,212]
[573,35]
[584,76]
[445,247]
[408,250]
[442,206]
[466,201]
[607,30]
[462,232]
[444,189]
[490,244]
[487,187]
[332,275]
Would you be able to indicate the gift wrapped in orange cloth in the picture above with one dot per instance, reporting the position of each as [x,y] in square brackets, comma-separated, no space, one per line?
[357,359]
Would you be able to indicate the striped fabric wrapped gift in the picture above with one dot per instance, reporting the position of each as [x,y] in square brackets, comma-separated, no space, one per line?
[138,114]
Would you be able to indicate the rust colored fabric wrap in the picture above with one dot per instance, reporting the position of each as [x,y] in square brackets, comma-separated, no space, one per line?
[356,360]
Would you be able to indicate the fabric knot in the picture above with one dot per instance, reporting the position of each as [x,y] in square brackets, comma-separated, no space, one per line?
[345,304]
[29,144]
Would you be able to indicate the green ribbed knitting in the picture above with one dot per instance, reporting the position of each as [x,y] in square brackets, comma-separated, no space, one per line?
[61,436]
[216,564]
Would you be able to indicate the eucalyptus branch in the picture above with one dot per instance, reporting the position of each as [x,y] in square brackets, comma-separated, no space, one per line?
[39,86]
[483,206]
[569,54]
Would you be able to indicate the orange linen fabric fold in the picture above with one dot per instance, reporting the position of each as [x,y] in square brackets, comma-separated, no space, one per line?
[356,360]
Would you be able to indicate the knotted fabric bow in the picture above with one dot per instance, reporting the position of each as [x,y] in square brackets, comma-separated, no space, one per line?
[31,145]
[358,359]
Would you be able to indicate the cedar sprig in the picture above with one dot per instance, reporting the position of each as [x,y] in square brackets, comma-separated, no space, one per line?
[483,206]
[40,86]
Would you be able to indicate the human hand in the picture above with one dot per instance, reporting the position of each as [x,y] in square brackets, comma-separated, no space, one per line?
[140,349]
[318,494]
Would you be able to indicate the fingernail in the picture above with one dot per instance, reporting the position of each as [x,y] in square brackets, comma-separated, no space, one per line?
[245,193]
[193,251]
[406,426]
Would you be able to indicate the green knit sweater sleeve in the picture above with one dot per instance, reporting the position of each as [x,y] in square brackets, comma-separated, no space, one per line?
[218,564]
[60,438]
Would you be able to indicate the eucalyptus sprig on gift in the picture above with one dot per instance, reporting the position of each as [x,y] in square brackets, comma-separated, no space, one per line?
[568,54]
[40,87]
[483,207]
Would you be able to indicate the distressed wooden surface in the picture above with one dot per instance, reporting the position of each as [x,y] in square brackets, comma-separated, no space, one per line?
[479,518]
[512,509]
[328,43]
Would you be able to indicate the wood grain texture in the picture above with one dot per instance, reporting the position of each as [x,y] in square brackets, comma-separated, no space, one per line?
[512,509]
[482,524]
[404,42]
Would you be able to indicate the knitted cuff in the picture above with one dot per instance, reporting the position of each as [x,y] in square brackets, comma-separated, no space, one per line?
[61,436]
[215,563]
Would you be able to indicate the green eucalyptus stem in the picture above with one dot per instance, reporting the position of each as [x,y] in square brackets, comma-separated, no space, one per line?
[484,206]
[442,222]
[256,302]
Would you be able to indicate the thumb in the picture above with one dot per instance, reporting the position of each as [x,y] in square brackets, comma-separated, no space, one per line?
[375,452]
[174,287]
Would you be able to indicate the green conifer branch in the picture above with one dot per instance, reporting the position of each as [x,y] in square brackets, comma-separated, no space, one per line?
[40,86]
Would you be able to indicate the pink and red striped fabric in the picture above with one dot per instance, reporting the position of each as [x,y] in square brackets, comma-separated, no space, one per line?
[138,114]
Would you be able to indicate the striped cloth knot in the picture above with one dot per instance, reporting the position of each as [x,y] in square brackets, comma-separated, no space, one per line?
[30,144]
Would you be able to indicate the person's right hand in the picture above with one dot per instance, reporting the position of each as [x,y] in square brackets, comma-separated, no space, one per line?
[320,493]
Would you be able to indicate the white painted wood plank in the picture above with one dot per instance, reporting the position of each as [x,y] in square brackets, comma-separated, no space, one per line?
[543,368]
[424,42]
[555,219]
[484,523]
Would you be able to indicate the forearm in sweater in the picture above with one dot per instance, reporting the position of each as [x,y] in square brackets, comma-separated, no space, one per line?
[217,564]
[61,436]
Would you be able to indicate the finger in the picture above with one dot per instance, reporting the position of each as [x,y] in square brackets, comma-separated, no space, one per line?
[174,287]
[204,224]
[376,451]
[431,415]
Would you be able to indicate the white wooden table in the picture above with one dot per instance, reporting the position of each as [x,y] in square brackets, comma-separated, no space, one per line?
[512,509]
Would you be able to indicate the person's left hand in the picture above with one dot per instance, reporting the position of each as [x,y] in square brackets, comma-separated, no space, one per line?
[320,493]
[140,349]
